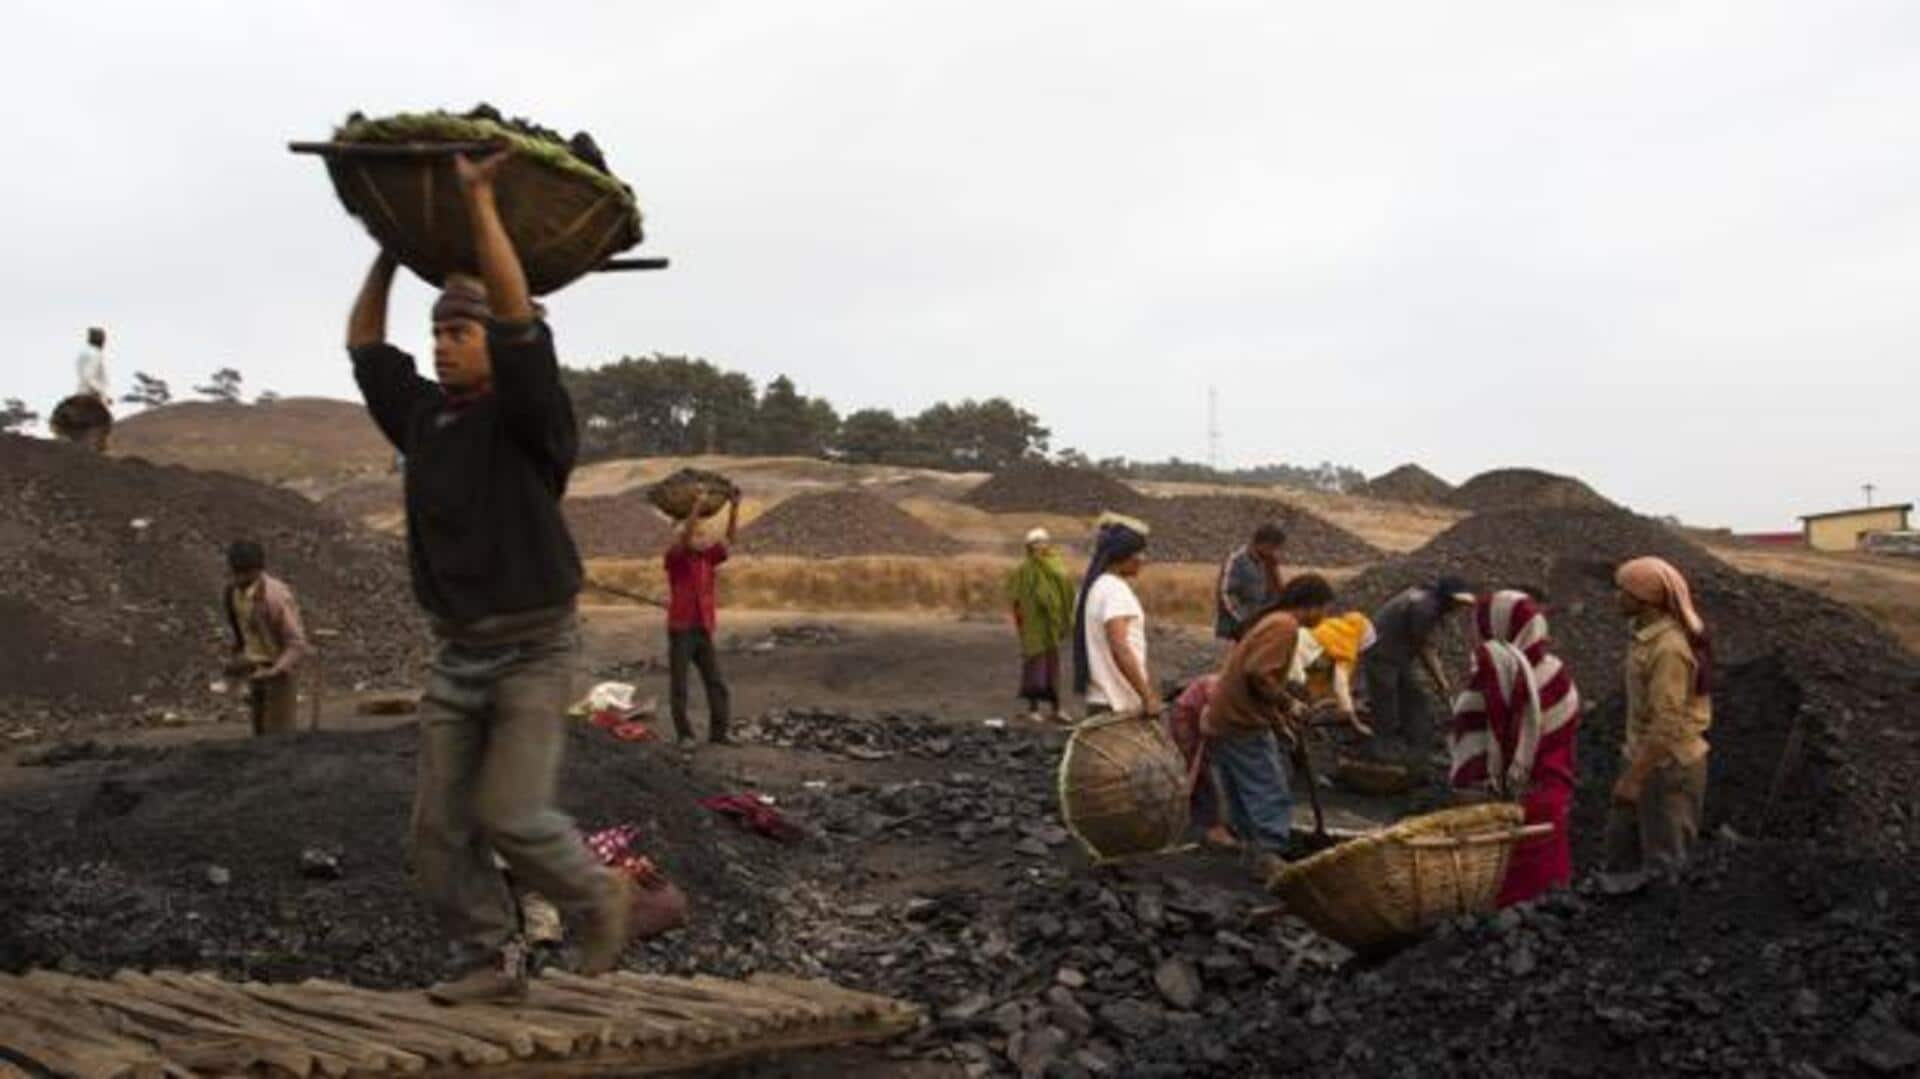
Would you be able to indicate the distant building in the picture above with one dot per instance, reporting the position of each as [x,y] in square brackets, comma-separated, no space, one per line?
[1841,530]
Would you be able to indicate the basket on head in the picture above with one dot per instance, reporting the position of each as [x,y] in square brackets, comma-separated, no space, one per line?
[565,216]
[692,490]
[1383,890]
[1123,787]
[82,418]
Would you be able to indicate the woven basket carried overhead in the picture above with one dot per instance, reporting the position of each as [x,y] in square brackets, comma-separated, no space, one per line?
[395,174]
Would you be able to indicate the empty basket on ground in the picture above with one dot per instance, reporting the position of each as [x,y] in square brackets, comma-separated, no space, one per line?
[1124,787]
[1384,889]
[679,494]
[82,418]
[395,174]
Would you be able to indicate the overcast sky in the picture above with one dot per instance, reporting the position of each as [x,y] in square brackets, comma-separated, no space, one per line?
[1672,248]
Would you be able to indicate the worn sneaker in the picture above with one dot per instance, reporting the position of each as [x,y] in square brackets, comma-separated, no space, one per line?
[502,983]
[609,930]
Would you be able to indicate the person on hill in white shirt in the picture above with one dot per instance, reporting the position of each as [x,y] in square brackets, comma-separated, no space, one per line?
[91,366]
[1110,631]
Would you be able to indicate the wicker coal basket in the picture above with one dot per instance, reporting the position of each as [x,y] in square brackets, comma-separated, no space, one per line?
[82,418]
[1380,891]
[1123,787]
[396,175]
[692,489]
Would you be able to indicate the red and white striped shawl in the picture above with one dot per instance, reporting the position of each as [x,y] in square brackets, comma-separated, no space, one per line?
[1519,708]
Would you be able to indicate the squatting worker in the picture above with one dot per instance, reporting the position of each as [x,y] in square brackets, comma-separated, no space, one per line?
[1404,634]
[1251,711]
[268,639]
[1110,626]
[1041,595]
[1250,580]
[691,567]
[488,451]
[1661,792]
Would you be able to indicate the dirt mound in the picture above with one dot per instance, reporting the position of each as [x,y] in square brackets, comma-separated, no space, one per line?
[110,578]
[1035,487]
[617,526]
[1203,528]
[1410,483]
[373,496]
[1783,655]
[1524,488]
[841,524]
[295,439]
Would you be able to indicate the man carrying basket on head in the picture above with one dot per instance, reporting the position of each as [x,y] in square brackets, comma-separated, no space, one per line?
[488,450]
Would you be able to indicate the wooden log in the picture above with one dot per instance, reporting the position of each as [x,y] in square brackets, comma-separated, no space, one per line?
[476,1023]
[351,1053]
[65,1051]
[287,1051]
[441,1047]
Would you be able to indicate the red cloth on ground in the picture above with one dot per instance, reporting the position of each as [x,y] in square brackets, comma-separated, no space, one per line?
[690,585]
[1183,725]
[754,813]
[616,723]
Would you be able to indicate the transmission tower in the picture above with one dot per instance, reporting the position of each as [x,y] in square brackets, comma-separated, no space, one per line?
[1213,428]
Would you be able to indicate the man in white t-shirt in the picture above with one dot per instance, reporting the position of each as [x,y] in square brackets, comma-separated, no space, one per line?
[91,366]
[1110,667]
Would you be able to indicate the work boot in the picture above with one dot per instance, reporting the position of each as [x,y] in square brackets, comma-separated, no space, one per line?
[609,929]
[503,982]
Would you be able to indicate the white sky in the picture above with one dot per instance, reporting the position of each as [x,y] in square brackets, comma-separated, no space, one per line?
[1668,247]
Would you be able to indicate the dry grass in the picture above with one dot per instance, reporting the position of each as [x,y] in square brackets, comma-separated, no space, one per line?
[1886,590]
[967,585]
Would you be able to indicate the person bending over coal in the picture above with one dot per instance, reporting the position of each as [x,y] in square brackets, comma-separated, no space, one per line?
[488,450]
[1252,712]
[1404,630]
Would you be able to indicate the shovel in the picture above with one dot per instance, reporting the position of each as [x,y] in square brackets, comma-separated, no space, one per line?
[1319,840]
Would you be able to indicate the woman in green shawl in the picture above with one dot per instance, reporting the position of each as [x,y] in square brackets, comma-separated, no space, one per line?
[1042,598]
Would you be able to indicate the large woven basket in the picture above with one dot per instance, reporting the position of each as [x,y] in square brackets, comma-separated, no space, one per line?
[81,418]
[1123,787]
[565,217]
[1382,890]
[690,490]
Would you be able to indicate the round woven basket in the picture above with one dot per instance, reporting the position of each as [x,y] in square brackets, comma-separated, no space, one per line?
[692,490]
[1123,787]
[1373,777]
[1383,890]
[81,418]
[565,218]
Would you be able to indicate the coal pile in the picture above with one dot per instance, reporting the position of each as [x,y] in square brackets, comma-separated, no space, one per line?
[1205,528]
[1784,655]
[193,857]
[111,573]
[1410,483]
[1038,487]
[841,524]
[1524,488]
[617,526]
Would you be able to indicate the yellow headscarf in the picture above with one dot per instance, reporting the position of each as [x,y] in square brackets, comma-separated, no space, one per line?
[1344,637]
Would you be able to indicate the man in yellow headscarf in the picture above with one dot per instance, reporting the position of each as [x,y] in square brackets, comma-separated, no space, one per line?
[1041,595]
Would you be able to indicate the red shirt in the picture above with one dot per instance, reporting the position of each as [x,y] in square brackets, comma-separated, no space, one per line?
[690,585]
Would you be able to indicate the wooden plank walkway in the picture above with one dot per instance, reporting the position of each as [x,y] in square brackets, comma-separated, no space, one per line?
[166,1025]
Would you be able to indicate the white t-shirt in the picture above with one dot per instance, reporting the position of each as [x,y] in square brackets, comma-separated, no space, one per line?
[1108,598]
[91,365]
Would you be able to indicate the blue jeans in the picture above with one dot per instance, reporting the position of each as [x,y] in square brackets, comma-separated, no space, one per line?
[1250,772]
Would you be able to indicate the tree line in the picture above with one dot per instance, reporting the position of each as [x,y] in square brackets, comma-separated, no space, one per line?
[659,405]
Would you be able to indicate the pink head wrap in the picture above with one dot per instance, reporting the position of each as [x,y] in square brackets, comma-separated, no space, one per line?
[1655,582]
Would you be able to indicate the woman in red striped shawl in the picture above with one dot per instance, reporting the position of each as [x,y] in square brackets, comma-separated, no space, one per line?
[1513,734]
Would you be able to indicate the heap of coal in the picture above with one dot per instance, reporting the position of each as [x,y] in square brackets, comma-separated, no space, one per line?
[1410,483]
[1787,659]
[1204,528]
[841,523]
[1038,487]
[617,526]
[1524,488]
[111,573]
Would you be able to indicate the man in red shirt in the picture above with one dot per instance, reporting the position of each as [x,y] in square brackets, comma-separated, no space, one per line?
[690,622]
